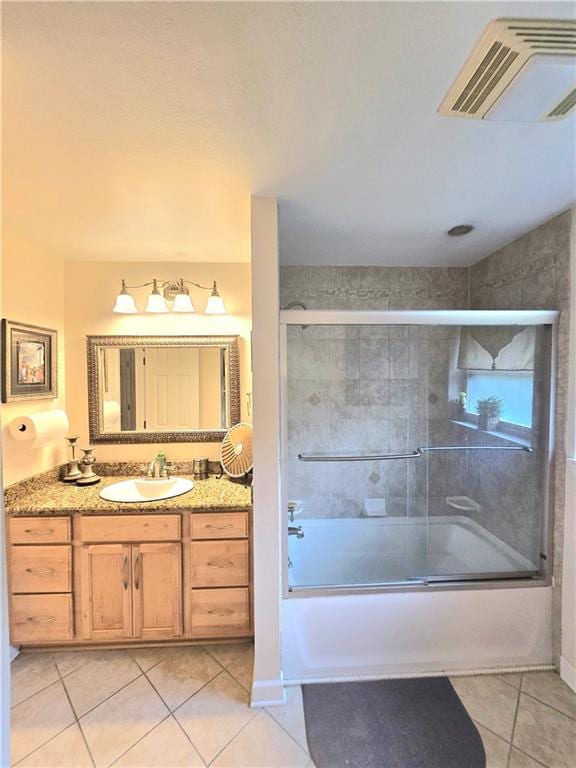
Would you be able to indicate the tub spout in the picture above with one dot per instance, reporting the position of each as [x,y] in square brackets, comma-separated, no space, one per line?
[296,530]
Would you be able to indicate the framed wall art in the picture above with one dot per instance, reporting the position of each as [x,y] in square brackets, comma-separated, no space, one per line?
[29,362]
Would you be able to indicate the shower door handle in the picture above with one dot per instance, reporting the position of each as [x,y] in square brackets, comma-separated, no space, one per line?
[369,457]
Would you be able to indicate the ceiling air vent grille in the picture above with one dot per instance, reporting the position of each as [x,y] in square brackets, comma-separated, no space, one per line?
[501,53]
[566,105]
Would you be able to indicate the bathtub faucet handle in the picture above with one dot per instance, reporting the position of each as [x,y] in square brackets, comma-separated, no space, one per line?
[296,530]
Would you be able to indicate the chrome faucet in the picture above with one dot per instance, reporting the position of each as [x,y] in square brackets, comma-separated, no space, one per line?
[158,467]
[296,530]
[154,470]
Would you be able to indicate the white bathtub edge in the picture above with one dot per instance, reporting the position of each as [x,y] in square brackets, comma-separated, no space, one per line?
[411,675]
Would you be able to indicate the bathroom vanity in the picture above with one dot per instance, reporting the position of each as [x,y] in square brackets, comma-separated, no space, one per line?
[85,571]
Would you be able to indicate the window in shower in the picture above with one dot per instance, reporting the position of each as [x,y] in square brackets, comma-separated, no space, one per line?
[390,485]
[514,389]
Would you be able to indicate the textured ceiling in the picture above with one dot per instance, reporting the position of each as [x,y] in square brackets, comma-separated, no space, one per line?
[140,130]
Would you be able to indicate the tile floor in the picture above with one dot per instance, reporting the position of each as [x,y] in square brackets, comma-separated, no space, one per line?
[172,707]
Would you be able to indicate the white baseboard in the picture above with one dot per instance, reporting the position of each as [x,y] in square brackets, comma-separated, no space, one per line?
[568,673]
[13,652]
[268,693]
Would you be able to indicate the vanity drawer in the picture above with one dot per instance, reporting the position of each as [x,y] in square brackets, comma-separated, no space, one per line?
[230,525]
[220,563]
[41,618]
[39,530]
[41,569]
[220,611]
[131,528]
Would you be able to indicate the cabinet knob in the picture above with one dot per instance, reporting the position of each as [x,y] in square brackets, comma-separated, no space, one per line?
[220,564]
[220,611]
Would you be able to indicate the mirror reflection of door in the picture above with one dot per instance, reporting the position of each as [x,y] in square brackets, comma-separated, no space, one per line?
[172,388]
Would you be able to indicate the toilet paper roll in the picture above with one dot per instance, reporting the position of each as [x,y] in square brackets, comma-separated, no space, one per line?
[41,428]
[111,414]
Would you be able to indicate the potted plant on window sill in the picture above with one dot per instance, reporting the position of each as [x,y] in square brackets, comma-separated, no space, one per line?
[489,411]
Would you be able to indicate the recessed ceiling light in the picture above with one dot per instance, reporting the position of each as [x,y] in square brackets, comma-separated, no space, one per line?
[460,229]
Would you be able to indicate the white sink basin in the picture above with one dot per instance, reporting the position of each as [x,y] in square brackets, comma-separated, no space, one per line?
[144,489]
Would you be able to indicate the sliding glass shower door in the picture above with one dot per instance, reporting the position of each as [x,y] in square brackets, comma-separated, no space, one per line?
[414,452]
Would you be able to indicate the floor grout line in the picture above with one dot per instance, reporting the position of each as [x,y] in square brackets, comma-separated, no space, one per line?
[139,740]
[82,734]
[545,704]
[65,728]
[88,711]
[305,750]
[514,722]
[246,724]
[179,724]
[173,711]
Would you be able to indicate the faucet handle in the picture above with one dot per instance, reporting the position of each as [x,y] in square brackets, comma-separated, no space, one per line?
[170,467]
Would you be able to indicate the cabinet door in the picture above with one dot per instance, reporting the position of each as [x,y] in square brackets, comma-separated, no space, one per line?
[106,591]
[157,590]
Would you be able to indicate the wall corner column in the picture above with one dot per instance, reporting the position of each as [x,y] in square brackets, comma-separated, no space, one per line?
[267,687]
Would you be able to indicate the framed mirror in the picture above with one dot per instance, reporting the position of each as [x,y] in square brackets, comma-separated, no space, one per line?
[162,389]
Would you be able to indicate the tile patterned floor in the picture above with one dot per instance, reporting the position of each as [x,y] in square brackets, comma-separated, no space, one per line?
[188,707]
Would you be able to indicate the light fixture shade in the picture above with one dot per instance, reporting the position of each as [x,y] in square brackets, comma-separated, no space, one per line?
[125,304]
[183,303]
[156,303]
[215,305]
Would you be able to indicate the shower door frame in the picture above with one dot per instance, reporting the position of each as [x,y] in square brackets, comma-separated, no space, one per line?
[459,317]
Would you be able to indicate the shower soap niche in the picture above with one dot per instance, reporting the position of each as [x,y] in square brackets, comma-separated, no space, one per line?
[463,503]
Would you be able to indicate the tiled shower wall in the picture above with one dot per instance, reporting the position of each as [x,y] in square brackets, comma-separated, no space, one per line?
[366,388]
[533,272]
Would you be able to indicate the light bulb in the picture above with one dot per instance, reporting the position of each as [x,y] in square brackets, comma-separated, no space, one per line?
[215,305]
[125,304]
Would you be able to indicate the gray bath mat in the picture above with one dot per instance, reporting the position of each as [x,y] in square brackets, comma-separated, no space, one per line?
[416,723]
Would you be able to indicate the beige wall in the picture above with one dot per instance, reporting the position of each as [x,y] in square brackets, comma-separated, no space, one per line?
[33,293]
[90,291]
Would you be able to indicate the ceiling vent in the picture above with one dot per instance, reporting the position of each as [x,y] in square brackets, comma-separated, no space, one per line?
[521,70]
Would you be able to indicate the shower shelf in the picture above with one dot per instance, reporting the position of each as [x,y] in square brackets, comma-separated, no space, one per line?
[502,435]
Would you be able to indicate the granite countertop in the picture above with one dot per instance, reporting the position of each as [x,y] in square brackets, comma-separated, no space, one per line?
[56,497]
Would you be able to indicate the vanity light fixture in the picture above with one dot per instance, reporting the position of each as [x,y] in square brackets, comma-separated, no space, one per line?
[173,291]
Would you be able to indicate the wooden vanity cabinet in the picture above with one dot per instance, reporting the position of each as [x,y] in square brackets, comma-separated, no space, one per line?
[120,579]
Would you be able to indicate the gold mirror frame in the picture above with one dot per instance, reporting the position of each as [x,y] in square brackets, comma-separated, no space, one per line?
[97,435]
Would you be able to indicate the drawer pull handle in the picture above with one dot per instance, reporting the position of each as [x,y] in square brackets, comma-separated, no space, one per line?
[45,572]
[213,527]
[41,620]
[220,564]
[39,531]
[220,611]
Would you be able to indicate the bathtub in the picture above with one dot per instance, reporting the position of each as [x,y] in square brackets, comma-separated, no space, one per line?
[428,628]
[356,551]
